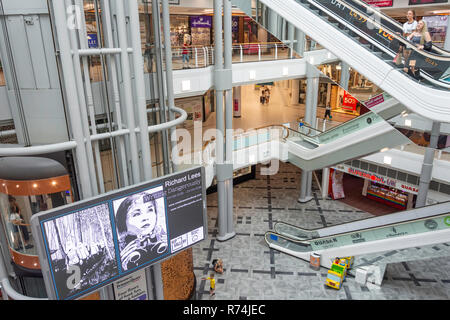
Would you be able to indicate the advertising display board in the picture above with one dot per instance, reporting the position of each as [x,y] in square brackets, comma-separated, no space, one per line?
[86,245]
[132,287]
[349,102]
[379,3]
[416,2]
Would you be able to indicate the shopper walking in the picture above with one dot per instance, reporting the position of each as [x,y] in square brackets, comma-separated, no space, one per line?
[327,112]
[185,55]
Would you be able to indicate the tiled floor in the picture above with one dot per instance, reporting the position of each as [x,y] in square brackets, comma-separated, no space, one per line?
[253,271]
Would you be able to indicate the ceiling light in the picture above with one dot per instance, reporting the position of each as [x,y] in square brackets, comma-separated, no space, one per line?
[408,122]
[387,160]
[384,149]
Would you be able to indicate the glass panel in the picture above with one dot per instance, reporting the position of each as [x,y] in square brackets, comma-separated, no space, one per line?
[16,212]
[401,176]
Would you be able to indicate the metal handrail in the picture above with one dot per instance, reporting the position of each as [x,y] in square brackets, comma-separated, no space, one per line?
[394,22]
[392,33]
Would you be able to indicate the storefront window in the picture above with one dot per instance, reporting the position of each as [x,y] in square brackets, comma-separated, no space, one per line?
[201,27]
[179,30]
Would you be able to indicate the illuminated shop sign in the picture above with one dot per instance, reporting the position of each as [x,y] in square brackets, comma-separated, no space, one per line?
[89,244]
[416,2]
[400,185]
[379,3]
[372,177]
[201,21]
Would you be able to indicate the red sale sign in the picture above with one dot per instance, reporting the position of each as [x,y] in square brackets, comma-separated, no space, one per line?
[349,102]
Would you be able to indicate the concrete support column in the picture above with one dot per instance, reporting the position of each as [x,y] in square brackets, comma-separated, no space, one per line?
[223,83]
[345,75]
[427,166]
[291,37]
[272,25]
[160,81]
[305,188]
[325,182]
[301,40]
[312,91]
[228,85]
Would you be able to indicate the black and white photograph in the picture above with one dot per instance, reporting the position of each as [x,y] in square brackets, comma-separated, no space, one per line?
[141,228]
[81,249]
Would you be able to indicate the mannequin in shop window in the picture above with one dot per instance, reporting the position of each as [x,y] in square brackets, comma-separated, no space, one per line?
[17,220]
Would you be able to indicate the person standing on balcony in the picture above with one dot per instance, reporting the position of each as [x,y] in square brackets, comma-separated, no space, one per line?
[327,112]
[185,55]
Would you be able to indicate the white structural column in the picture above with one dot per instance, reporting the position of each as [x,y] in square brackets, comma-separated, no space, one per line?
[73,104]
[228,86]
[427,166]
[220,150]
[139,84]
[345,75]
[300,43]
[312,91]
[325,182]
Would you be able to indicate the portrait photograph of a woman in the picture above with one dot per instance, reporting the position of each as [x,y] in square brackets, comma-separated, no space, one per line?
[140,221]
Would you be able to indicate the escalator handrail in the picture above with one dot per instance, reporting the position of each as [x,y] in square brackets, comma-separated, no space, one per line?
[357,230]
[340,224]
[376,11]
[344,124]
[408,44]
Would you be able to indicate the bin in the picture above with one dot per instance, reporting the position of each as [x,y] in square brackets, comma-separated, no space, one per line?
[314,261]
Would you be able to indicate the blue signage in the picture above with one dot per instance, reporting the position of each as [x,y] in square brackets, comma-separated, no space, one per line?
[92,40]
[201,22]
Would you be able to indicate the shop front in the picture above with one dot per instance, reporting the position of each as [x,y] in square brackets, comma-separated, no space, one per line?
[391,192]
[201,27]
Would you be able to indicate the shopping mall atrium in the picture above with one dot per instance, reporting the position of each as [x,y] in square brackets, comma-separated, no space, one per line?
[225,150]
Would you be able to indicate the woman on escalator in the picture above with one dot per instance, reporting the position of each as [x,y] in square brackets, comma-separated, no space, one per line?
[408,27]
[421,38]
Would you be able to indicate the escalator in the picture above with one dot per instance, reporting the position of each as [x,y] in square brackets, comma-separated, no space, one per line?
[424,226]
[367,44]
[355,138]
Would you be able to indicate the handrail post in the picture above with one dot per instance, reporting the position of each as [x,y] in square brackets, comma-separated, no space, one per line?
[196,56]
[241,53]
[276,51]
[259,52]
